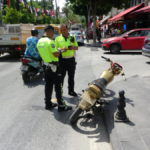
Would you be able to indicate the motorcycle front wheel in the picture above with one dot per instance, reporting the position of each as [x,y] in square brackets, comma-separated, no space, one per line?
[75,115]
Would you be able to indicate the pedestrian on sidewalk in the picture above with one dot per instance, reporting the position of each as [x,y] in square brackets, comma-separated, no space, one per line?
[52,75]
[68,63]
[105,32]
[98,32]
[113,32]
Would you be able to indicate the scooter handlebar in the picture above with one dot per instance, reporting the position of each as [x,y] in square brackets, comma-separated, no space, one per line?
[103,57]
[107,59]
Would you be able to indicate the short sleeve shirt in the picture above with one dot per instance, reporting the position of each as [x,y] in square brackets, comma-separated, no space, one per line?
[46,48]
[31,50]
[61,42]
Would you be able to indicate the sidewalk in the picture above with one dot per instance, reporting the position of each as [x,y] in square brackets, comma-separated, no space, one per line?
[133,135]
[97,44]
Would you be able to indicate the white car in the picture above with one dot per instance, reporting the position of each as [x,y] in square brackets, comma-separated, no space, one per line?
[78,35]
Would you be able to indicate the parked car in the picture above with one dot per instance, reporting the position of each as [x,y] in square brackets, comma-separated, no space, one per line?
[131,40]
[146,46]
[78,35]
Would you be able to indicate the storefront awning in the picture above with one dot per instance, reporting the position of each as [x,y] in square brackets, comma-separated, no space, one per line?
[140,11]
[104,19]
[125,12]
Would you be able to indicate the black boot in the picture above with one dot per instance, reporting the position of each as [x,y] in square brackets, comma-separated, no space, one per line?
[64,108]
[51,105]
[72,93]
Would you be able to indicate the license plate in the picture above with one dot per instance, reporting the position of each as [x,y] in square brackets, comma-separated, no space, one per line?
[23,67]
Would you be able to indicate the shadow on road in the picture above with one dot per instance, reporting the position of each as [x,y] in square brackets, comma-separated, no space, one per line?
[37,80]
[125,53]
[93,127]
[9,58]
[148,62]
[71,100]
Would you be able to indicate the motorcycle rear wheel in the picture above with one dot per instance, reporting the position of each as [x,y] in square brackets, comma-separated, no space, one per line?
[75,115]
[25,77]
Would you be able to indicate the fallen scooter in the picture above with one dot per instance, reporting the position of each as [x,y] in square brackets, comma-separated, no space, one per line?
[91,96]
[30,68]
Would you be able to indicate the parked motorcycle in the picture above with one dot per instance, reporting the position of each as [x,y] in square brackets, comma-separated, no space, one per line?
[92,95]
[30,68]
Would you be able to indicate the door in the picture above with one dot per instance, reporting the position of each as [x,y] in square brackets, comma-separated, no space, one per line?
[135,39]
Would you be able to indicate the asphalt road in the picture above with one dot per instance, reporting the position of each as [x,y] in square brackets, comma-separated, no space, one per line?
[26,125]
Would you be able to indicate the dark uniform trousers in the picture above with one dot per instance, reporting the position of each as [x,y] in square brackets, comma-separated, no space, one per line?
[68,65]
[51,79]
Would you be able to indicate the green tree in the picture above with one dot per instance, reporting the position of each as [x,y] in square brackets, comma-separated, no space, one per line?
[12,16]
[72,17]
[12,4]
[65,10]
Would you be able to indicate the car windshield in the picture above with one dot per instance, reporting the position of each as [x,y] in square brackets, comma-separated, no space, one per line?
[124,34]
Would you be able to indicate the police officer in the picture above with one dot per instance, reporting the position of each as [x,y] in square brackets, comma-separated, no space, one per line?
[68,60]
[52,75]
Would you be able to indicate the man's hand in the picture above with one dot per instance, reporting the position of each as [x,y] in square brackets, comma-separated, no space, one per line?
[70,48]
[64,49]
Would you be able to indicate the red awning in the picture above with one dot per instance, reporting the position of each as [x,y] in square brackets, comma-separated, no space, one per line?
[125,12]
[140,11]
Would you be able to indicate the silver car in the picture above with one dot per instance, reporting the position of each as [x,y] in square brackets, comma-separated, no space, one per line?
[146,47]
[78,35]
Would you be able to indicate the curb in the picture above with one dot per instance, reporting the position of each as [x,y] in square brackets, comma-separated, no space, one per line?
[92,45]
[110,128]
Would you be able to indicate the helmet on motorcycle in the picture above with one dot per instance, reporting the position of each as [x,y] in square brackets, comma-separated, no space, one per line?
[34,32]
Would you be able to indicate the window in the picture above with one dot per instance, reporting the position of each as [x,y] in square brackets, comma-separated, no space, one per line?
[145,32]
[11,30]
[17,29]
[135,33]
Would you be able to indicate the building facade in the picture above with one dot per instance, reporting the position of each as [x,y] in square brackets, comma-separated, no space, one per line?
[136,2]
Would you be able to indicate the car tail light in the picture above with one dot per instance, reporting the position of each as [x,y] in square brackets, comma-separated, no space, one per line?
[24,61]
[17,48]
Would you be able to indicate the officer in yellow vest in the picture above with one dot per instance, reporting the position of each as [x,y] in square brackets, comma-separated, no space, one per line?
[68,63]
[52,75]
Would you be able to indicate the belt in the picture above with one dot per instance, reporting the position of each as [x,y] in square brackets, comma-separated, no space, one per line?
[52,66]
[66,57]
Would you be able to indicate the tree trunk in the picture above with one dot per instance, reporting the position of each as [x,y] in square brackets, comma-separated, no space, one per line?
[31,6]
[94,28]
[86,20]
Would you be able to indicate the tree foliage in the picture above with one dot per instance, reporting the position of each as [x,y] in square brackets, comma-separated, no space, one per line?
[12,16]
[40,4]
[12,3]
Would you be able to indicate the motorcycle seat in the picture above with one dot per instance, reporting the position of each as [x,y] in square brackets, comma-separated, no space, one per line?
[26,56]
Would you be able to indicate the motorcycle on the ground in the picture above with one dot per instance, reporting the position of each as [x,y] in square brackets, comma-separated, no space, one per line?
[30,68]
[91,96]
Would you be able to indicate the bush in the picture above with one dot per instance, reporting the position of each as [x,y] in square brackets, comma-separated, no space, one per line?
[12,16]
[39,20]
